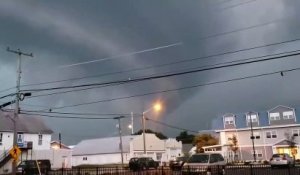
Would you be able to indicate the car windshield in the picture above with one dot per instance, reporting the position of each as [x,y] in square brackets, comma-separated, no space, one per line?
[278,155]
[203,158]
[181,159]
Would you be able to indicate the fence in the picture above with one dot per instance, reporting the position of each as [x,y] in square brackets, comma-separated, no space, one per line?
[191,170]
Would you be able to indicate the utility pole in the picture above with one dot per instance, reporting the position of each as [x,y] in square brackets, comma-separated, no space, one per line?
[252,136]
[144,132]
[16,112]
[131,123]
[120,135]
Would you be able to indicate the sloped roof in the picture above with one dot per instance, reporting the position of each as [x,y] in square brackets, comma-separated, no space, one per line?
[107,145]
[240,120]
[25,123]
[284,143]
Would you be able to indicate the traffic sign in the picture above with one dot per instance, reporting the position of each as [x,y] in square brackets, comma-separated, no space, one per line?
[15,152]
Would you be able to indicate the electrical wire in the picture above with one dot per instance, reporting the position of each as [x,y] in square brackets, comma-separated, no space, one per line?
[171,126]
[165,75]
[63,92]
[80,114]
[177,62]
[176,89]
[65,117]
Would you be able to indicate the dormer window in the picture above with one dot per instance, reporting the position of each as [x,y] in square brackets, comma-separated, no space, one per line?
[252,117]
[274,116]
[288,115]
[229,120]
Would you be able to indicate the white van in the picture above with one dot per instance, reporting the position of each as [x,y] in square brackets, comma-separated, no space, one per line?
[204,162]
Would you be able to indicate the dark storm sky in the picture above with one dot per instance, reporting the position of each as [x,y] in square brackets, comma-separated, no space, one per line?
[135,34]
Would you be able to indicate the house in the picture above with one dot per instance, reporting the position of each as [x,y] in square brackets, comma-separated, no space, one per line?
[273,132]
[107,150]
[32,136]
[58,145]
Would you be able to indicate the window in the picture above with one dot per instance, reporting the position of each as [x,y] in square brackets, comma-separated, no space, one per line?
[229,120]
[84,158]
[1,136]
[256,135]
[296,132]
[158,156]
[274,116]
[288,115]
[258,153]
[40,142]
[271,134]
[253,117]
[20,138]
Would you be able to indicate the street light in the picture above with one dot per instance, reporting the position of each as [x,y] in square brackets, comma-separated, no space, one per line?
[157,107]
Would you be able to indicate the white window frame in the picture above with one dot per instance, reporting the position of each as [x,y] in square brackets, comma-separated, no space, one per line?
[229,120]
[274,116]
[288,115]
[296,132]
[256,135]
[1,138]
[254,118]
[273,134]
[258,153]
[40,139]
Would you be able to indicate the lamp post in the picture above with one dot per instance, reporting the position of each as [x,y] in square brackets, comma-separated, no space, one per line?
[252,136]
[156,107]
[120,135]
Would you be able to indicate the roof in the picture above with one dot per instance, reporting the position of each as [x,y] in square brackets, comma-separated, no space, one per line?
[58,144]
[240,119]
[25,123]
[109,145]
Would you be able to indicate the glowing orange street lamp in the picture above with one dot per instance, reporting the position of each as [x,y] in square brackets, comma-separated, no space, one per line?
[157,107]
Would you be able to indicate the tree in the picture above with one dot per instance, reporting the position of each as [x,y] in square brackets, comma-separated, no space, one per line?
[185,138]
[290,138]
[204,140]
[158,134]
[233,145]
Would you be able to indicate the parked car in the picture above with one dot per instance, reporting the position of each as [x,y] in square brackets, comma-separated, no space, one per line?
[203,162]
[281,160]
[177,163]
[32,167]
[142,163]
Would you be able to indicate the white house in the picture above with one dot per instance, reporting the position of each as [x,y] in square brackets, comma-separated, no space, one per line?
[32,136]
[107,150]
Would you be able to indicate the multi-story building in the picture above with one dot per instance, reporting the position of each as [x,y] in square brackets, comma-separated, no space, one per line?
[274,131]
[32,136]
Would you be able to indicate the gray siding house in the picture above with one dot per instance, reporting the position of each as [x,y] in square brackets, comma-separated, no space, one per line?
[272,133]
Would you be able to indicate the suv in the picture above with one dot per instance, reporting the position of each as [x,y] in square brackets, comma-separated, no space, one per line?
[141,163]
[281,160]
[203,163]
[29,167]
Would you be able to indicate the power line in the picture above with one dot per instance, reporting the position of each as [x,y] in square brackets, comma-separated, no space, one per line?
[76,90]
[164,76]
[177,62]
[7,89]
[171,126]
[65,117]
[176,89]
[80,114]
